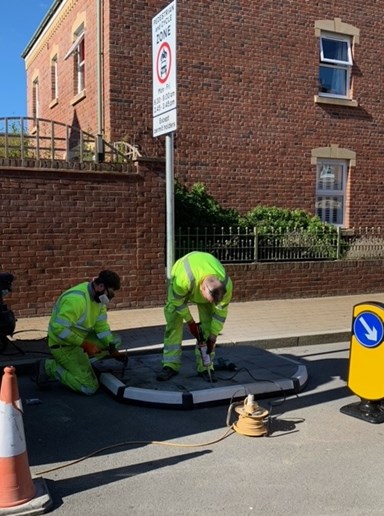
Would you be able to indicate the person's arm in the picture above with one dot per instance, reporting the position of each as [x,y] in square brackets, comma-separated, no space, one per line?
[220,313]
[178,298]
[64,318]
[103,330]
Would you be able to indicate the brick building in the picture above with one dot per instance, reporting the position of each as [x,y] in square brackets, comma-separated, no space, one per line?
[279,102]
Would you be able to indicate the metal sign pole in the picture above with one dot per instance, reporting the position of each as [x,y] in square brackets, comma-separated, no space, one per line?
[169,173]
[165,108]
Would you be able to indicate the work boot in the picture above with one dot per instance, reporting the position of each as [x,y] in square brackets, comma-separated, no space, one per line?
[42,378]
[205,376]
[166,374]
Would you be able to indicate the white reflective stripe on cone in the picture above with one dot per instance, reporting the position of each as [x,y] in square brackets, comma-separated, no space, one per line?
[12,438]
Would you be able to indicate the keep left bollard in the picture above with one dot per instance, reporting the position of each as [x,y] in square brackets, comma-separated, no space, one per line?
[366,363]
[19,494]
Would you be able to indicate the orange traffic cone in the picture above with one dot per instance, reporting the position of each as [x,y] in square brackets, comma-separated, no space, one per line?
[16,485]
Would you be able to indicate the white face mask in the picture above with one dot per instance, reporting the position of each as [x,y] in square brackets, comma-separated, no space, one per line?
[104,299]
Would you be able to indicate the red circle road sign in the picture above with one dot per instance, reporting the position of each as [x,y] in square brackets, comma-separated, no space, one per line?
[163,62]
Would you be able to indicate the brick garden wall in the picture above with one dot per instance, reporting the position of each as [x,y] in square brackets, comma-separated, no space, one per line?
[306,279]
[61,227]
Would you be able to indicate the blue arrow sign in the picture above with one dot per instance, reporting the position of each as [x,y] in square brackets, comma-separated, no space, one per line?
[368,329]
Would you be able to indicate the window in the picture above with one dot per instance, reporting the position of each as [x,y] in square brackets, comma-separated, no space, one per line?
[335,66]
[331,180]
[35,99]
[77,50]
[337,44]
[54,79]
[80,68]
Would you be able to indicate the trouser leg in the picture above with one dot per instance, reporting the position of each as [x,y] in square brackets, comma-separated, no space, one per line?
[71,366]
[173,337]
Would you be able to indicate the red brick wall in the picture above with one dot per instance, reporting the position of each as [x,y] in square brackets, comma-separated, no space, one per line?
[306,279]
[83,113]
[60,228]
[247,121]
[247,76]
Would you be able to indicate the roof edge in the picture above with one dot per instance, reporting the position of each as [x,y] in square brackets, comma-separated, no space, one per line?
[41,27]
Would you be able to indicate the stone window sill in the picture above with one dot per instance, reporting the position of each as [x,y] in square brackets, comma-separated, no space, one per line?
[335,102]
[80,96]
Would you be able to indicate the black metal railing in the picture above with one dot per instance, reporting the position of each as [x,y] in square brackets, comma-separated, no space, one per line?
[41,139]
[248,245]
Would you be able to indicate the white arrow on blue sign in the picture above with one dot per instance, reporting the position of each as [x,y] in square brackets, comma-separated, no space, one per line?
[368,329]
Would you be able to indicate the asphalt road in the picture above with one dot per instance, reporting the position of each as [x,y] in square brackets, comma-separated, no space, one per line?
[316,461]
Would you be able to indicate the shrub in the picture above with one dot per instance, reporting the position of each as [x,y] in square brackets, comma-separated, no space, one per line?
[282,233]
[196,208]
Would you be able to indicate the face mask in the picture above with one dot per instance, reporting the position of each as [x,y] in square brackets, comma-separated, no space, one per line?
[104,299]
[4,293]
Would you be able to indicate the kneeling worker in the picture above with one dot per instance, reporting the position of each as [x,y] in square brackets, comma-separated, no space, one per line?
[79,323]
[201,279]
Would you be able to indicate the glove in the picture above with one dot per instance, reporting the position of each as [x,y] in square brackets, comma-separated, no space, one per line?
[90,348]
[112,349]
[193,328]
[211,342]
[121,357]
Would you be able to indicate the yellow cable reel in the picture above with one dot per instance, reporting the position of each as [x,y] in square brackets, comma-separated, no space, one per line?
[252,417]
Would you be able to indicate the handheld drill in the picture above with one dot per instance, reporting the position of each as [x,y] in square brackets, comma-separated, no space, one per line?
[203,350]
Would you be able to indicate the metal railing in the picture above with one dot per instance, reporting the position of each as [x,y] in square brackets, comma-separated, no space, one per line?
[41,139]
[248,245]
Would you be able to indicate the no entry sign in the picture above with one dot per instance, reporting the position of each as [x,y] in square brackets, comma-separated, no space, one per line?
[164,71]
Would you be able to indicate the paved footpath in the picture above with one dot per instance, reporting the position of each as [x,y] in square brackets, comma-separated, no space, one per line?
[281,322]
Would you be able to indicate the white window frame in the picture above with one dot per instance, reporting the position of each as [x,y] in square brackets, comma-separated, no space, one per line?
[77,50]
[336,64]
[79,36]
[80,66]
[327,196]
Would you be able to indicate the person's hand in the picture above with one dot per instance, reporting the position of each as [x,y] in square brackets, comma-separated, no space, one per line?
[211,342]
[121,357]
[193,328]
[90,348]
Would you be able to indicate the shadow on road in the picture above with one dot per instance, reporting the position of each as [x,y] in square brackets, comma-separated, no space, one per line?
[67,426]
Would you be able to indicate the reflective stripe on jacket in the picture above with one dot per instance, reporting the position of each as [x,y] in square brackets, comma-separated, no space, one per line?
[75,315]
[186,277]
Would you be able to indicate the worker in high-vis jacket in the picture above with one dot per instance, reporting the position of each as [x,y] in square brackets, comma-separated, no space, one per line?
[78,329]
[197,278]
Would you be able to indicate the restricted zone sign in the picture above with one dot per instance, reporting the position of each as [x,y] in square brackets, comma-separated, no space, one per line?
[164,71]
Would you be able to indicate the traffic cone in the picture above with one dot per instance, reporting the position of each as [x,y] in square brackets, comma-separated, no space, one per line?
[16,485]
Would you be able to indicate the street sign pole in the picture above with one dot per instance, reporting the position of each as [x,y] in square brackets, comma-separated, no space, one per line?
[169,178]
[165,107]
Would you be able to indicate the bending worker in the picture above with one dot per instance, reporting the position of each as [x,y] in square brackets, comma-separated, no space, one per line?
[78,328]
[201,279]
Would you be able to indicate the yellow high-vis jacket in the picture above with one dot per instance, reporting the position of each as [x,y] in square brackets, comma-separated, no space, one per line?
[186,277]
[76,315]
